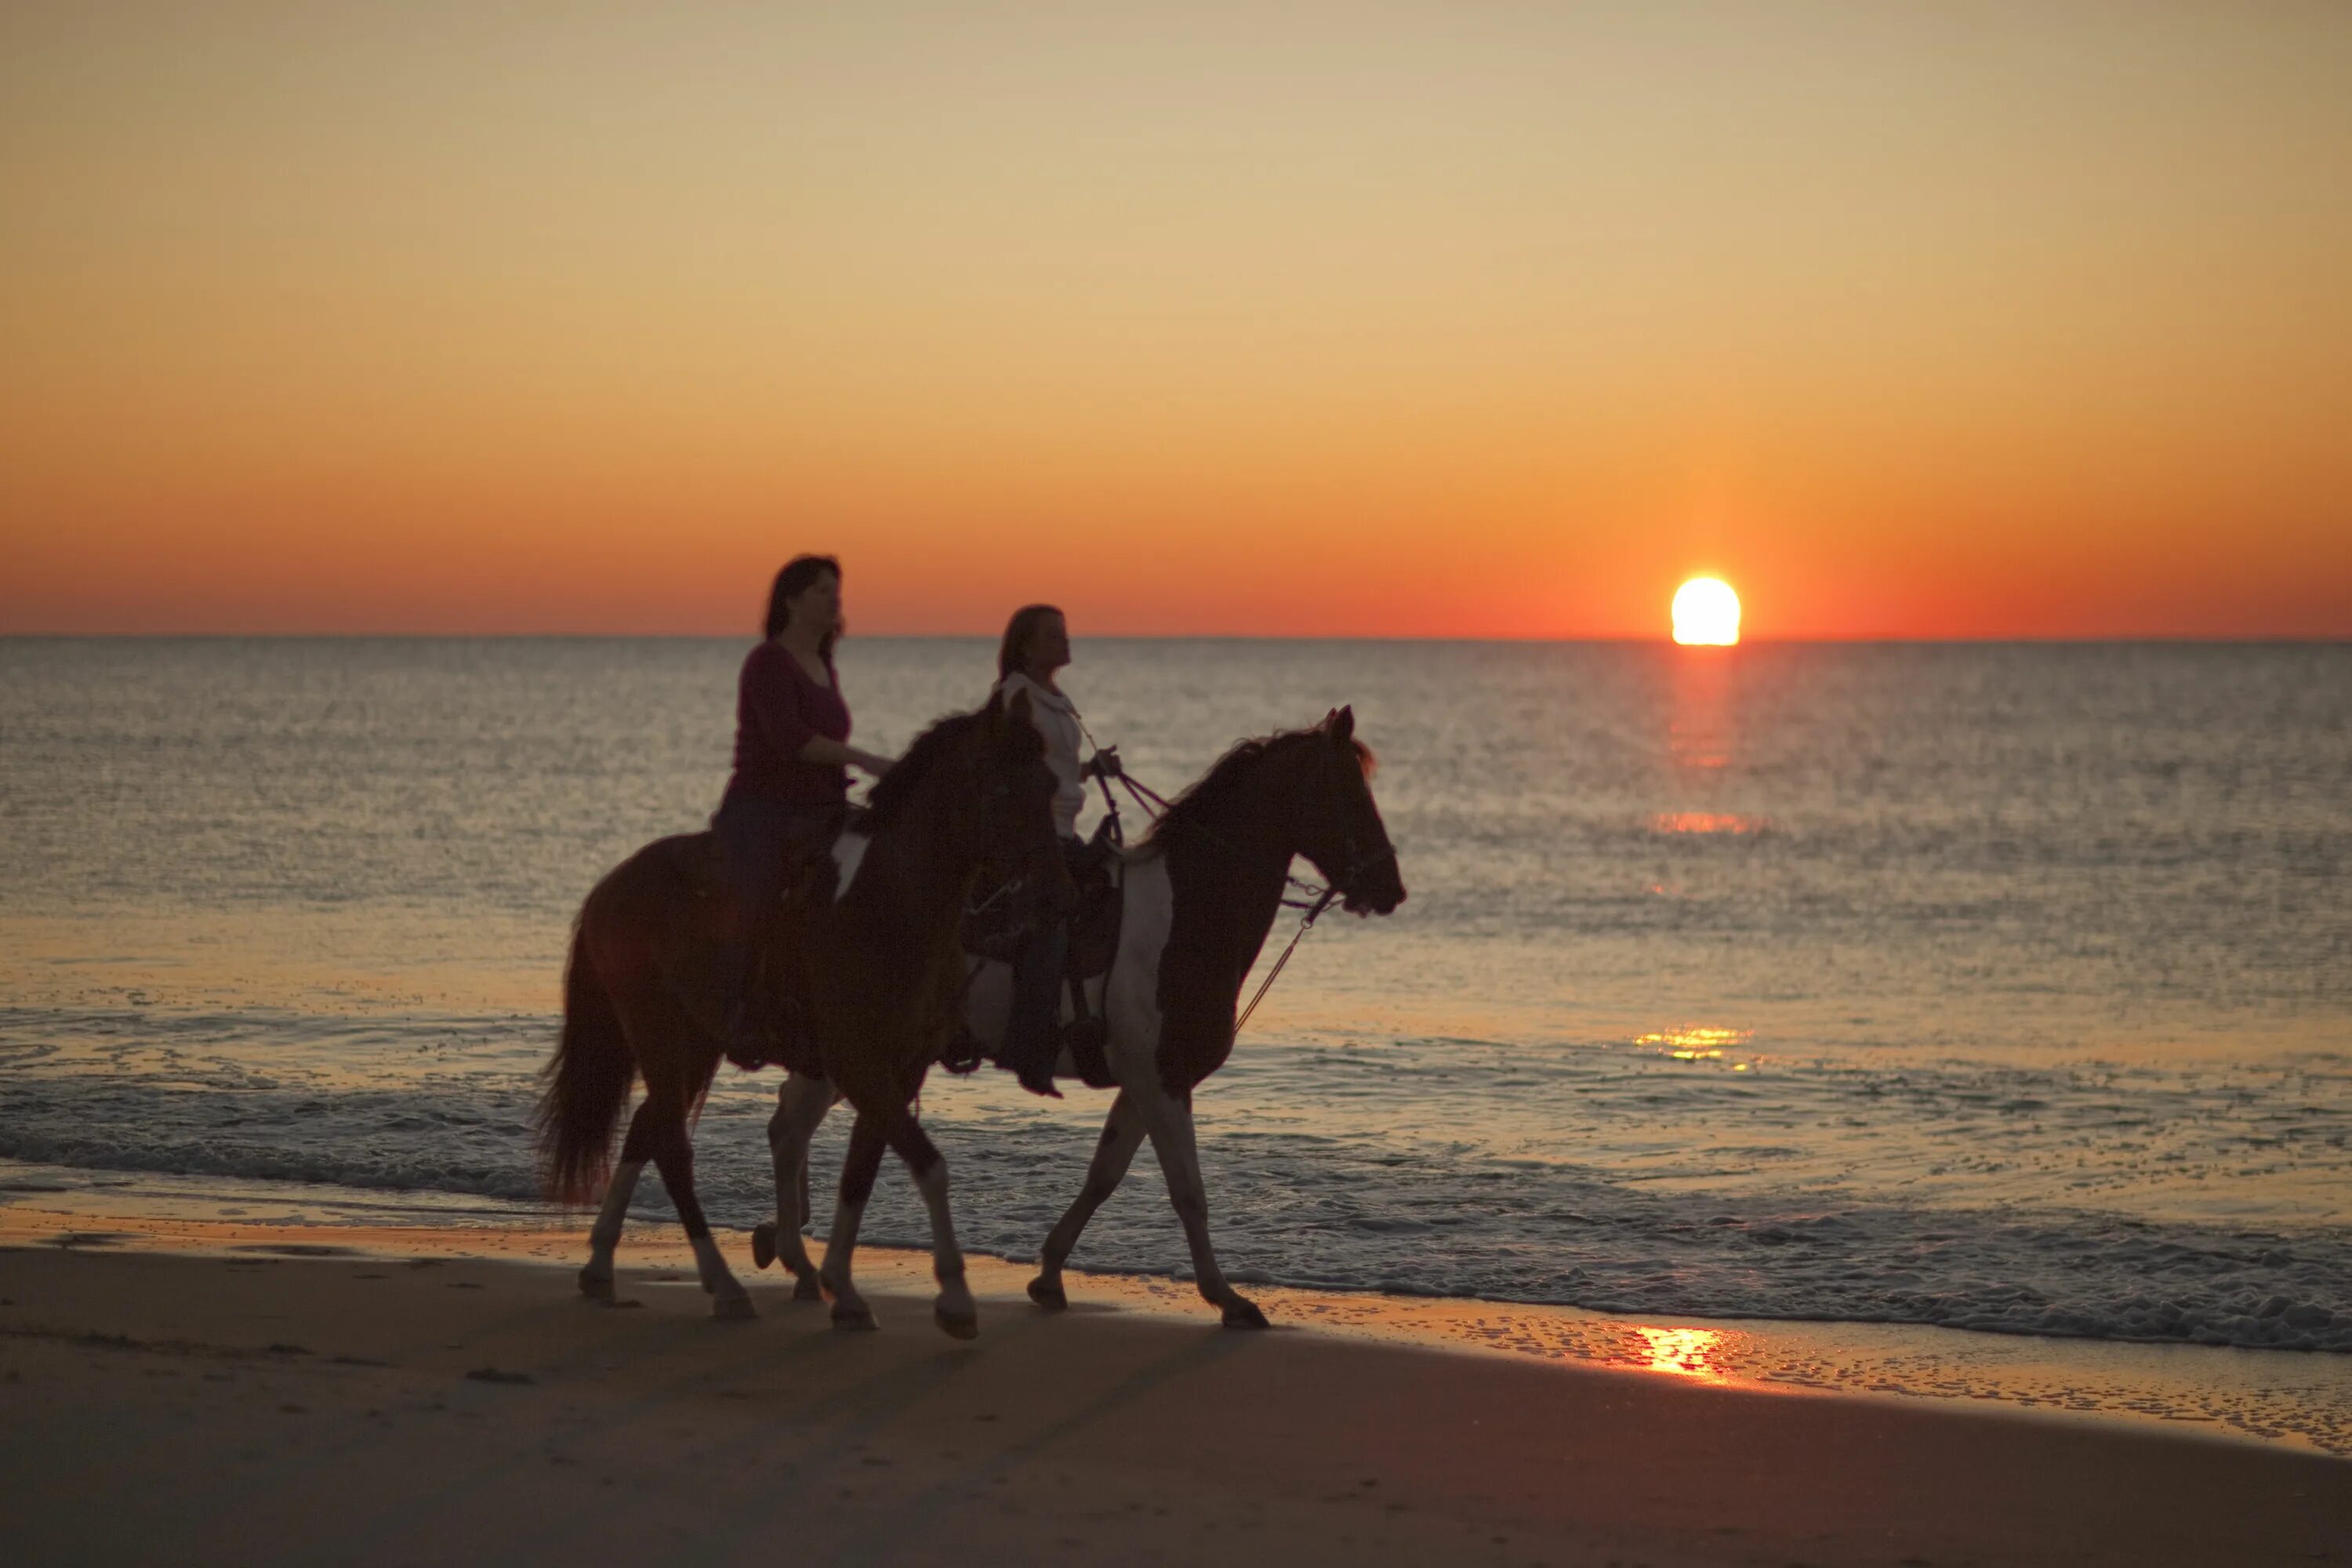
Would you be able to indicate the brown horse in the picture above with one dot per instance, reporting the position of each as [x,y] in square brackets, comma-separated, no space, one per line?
[1198,899]
[872,975]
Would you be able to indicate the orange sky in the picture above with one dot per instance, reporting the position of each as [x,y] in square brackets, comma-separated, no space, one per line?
[1372,319]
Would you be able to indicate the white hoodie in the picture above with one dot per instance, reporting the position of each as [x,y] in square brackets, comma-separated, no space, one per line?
[1057,718]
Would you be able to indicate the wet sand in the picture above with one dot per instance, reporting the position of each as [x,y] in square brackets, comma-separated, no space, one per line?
[192,1391]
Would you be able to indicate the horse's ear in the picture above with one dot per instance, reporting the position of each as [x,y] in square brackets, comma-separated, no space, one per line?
[1019,708]
[1342,723]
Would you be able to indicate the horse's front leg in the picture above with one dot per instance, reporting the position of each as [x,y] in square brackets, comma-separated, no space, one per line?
[1114,1152]
[867,1143]
[1169,1122]
[954,1311]
[801,1105]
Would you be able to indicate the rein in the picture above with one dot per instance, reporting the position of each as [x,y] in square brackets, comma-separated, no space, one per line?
[1156,805]
[1305,924]
[1146,797]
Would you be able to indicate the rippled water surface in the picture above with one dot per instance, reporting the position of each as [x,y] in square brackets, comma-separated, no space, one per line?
[1997,987]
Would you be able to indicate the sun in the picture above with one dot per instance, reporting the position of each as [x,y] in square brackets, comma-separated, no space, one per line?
[1707,613]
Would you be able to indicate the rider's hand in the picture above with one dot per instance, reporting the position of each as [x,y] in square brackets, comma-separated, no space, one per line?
[1106,764]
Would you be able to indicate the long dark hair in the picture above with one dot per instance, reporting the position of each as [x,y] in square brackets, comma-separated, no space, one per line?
[799,574]
[1012,653]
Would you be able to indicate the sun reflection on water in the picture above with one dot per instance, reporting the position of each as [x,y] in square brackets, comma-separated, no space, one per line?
[1704,1043]
[1684,1352]
[1706,821]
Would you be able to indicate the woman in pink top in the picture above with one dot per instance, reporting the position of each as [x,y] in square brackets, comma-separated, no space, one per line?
[792,758]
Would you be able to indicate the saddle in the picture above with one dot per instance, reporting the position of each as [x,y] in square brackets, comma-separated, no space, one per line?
[810,877]
[809,868]
[1000,918]
[999,921]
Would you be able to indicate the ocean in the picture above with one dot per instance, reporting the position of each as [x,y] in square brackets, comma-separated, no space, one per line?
[2002,988]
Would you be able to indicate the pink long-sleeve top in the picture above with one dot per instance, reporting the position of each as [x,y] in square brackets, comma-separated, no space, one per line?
[778,709]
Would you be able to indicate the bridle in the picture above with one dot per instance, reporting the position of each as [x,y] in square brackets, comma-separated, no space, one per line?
[1304,894]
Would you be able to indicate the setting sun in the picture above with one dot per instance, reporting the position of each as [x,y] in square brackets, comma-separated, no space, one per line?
[1707,613]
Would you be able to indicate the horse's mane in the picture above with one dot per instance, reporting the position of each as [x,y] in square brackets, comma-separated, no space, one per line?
[1207,796]
[887,801]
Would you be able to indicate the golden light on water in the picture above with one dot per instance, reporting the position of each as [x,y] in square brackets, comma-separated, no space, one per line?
[1707,614]
[1684,1353]
[1705,1043]
[1706,821]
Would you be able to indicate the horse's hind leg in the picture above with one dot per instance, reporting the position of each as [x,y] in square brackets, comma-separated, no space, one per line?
[1114,1152]
[673,1156]
[954,1311]
[801,1105]
[596,1277]
[858,1173]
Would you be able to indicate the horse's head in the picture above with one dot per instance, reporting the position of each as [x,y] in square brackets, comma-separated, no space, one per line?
[1339,827]
[1013,795]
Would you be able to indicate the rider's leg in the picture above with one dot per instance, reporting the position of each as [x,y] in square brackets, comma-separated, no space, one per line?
[752,834]
[1033,1032]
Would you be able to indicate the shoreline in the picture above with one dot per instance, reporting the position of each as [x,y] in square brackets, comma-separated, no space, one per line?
[2298,1402]
[195,1390]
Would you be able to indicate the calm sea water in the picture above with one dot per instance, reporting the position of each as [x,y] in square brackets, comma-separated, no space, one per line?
[1992,987]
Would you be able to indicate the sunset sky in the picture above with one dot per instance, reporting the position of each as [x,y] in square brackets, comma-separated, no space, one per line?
[1453,319]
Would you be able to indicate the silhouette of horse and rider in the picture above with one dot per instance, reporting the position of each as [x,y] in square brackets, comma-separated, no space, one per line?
[855,946]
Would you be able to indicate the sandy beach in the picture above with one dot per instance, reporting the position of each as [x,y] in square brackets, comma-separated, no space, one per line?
[1738,616]
[195,1390]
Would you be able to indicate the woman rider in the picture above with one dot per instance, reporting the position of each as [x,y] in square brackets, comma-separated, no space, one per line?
[1036,646]
[792,760]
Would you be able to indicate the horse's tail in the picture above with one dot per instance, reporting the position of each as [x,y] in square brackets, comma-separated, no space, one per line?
[587,1083]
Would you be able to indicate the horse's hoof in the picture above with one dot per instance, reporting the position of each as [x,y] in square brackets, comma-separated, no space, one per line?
[1242,1313]
[854,1320]
[1048,1293]
[957,1325]
[763,1244]
[733,1306]
[806,1288]
[596,1287]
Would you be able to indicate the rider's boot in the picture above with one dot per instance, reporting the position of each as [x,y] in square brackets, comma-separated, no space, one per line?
[747,1035]
[1085,1032]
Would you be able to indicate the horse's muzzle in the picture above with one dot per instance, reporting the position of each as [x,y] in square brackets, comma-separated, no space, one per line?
[1379,894]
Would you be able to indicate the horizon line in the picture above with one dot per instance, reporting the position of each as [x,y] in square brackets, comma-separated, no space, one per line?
[1864,639]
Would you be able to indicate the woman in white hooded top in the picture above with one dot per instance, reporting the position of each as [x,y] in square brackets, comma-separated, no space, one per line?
[1036,648]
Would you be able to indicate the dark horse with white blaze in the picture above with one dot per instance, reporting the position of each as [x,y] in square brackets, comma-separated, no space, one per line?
[1198,899]
[874,970]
